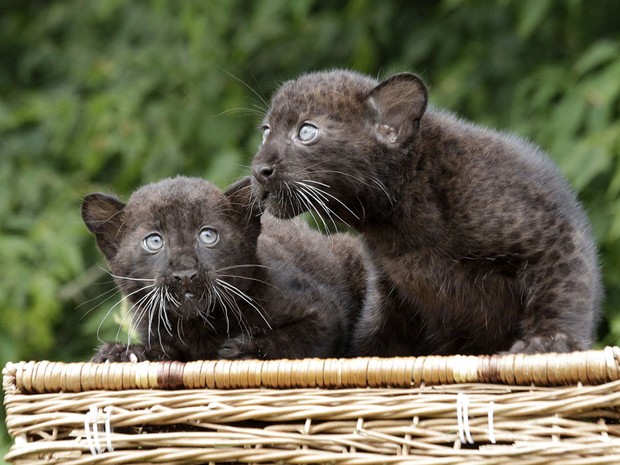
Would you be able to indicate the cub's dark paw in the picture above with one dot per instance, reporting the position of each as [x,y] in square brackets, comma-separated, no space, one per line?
[115,352]
[238,348]
[558,342]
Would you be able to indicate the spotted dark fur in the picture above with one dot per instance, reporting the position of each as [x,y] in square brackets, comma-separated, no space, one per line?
[481,243]
[299,290]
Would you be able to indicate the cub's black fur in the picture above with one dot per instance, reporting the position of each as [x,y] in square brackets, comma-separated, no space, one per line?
[204,282]
[481,243]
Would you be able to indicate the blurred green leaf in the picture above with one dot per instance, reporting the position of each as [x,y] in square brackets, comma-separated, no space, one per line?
[533,14]
[600,53]
[586,160]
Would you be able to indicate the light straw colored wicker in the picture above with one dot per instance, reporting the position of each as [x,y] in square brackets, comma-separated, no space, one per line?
[513,409]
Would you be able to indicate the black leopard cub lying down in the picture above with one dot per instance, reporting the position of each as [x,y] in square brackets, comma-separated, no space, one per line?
[208,277]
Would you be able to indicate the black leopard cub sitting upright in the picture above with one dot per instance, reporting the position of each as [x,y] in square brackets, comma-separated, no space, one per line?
[481,244]
[203,282]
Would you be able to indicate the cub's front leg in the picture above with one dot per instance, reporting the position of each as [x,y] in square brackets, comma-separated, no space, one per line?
[240,347]
[271,346]
[314,335]
[117,352]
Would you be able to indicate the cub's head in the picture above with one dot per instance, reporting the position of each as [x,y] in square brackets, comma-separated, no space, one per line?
[330,140]
[179,245]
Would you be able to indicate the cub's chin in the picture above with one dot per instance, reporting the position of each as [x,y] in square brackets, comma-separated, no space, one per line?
[190,307]
[280,208]
[279,203]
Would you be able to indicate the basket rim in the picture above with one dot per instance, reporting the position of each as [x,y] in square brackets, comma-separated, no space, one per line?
[551,369]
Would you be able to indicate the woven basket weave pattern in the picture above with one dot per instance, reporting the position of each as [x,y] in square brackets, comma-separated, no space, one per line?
[542,409]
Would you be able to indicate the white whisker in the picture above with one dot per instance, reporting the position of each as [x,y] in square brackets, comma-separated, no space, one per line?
[131,312]
[110,293]
[324,194]
[248,279]
[180,332]
[234,307]
[242,110]
[123,298]
[163,314]
[150,305]
[127,278]
[373,179]
[247,299]
[224,307]
[260,97]
[249,265]
[328,211]
[305,200]
[306,206]
[171,298]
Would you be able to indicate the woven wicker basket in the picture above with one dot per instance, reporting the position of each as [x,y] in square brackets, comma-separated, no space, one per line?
[539,409]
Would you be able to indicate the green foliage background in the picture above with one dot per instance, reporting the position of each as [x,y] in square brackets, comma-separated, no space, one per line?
[107,95]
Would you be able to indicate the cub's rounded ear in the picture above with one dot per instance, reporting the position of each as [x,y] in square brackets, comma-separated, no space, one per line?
[396,106]
[242,200]
[103,216]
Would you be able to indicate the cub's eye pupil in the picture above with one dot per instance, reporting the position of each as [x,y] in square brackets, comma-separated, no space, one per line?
[266,132]
[208,236]
[307,132]
[153,243]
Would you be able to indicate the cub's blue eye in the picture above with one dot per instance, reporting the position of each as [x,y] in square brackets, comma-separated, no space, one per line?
[307,132]
[266,131]
[153,243]
[208,236]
